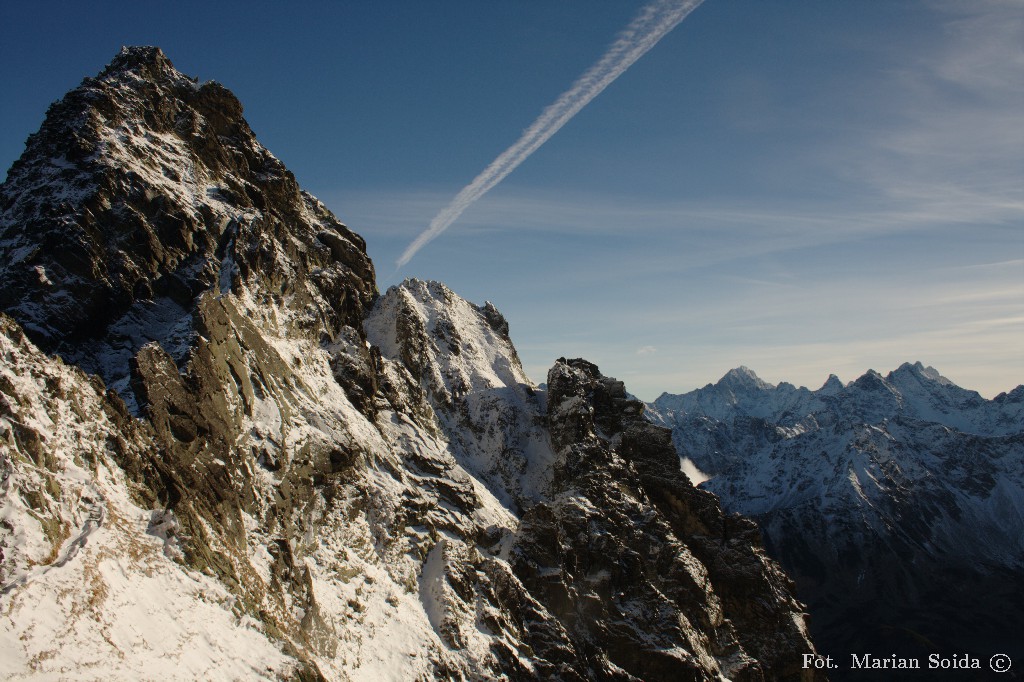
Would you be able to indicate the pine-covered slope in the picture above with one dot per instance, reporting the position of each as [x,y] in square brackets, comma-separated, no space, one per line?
[280,473]
[896,502]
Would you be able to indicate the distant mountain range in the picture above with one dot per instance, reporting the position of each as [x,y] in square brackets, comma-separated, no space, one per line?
[895,502]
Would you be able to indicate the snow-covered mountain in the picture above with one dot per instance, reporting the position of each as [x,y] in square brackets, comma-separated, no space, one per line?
[225,455]
[896,502]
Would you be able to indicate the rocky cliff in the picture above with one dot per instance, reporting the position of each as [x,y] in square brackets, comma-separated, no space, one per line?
[225,455]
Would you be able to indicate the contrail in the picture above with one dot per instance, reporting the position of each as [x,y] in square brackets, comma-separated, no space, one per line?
[643,33]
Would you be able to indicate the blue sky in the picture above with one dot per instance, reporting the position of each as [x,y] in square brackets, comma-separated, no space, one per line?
[803,187]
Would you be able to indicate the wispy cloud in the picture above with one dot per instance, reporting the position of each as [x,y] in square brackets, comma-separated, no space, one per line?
[670,237]
[649,27]
[956,140]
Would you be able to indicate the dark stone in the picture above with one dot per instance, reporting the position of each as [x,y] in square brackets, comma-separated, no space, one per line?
[611,558]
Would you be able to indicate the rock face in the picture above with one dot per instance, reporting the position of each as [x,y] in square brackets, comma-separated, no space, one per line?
[896,502]
[225,455]
[643,568]
[144,190]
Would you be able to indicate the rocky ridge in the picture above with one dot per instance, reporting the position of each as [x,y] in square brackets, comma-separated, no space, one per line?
[225,454]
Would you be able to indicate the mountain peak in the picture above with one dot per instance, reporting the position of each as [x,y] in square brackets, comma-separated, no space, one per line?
[870,378]
[144,59]
[919,370]
[831,385]
[743,377]
[142,192]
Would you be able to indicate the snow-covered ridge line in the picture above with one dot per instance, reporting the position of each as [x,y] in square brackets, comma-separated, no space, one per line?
[912,391]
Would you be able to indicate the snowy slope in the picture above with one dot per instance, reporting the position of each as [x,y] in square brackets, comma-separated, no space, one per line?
[90,586]
[462,356]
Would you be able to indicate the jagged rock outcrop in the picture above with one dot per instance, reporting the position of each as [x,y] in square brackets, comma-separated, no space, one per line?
[655,582]
[274,472]
[595,487]
[896,502]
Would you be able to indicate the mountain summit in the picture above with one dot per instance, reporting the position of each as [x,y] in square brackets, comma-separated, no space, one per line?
[226,455]
[144,189]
